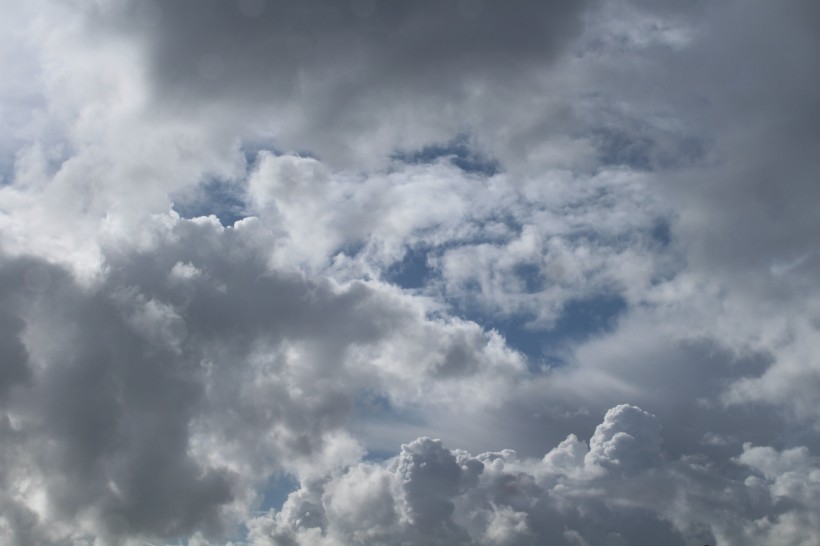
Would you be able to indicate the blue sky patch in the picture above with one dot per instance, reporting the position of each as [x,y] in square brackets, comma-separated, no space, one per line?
[412,271]
[221,198]
[662,232]
[580,319]
[277,490]
[622,148]
[458,152]
[530,277]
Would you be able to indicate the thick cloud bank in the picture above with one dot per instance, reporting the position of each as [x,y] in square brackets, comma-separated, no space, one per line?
[168,393]
[255,255]
[618,489]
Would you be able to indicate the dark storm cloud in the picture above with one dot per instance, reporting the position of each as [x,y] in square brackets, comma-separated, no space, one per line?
[753,70]
[736,88]
[262,48]
[14,360]
[325,75]
[105,411]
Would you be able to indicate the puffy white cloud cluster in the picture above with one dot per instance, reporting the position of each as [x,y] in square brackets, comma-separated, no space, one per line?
[495,243]
[618,489]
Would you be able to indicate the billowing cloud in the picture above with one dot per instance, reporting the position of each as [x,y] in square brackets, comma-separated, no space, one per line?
[166,394]
[578,493]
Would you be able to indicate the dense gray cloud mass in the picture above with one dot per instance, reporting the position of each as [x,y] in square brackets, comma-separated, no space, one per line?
[392,42]
[456,272]
[328,74]
[152,391]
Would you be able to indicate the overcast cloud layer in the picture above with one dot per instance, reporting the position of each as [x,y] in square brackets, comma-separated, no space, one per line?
[440,272]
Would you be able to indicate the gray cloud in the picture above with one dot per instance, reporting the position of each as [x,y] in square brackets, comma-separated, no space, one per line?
[154,403]
[324,75]
[14,368]
[425,45]
[107,410]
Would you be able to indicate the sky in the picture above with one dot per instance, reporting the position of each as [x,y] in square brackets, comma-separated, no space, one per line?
[404,273]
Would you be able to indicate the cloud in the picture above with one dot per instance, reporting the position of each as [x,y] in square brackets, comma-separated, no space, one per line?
[628,440]
[327,74]
[402,193]
[494,244]
[501,498]
[168,392]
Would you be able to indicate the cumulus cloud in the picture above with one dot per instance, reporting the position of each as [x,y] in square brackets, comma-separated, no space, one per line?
[167,392]
[493,244]
[564,498]
[627,440]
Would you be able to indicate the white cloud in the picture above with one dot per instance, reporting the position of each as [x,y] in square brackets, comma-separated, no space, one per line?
[500,498]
